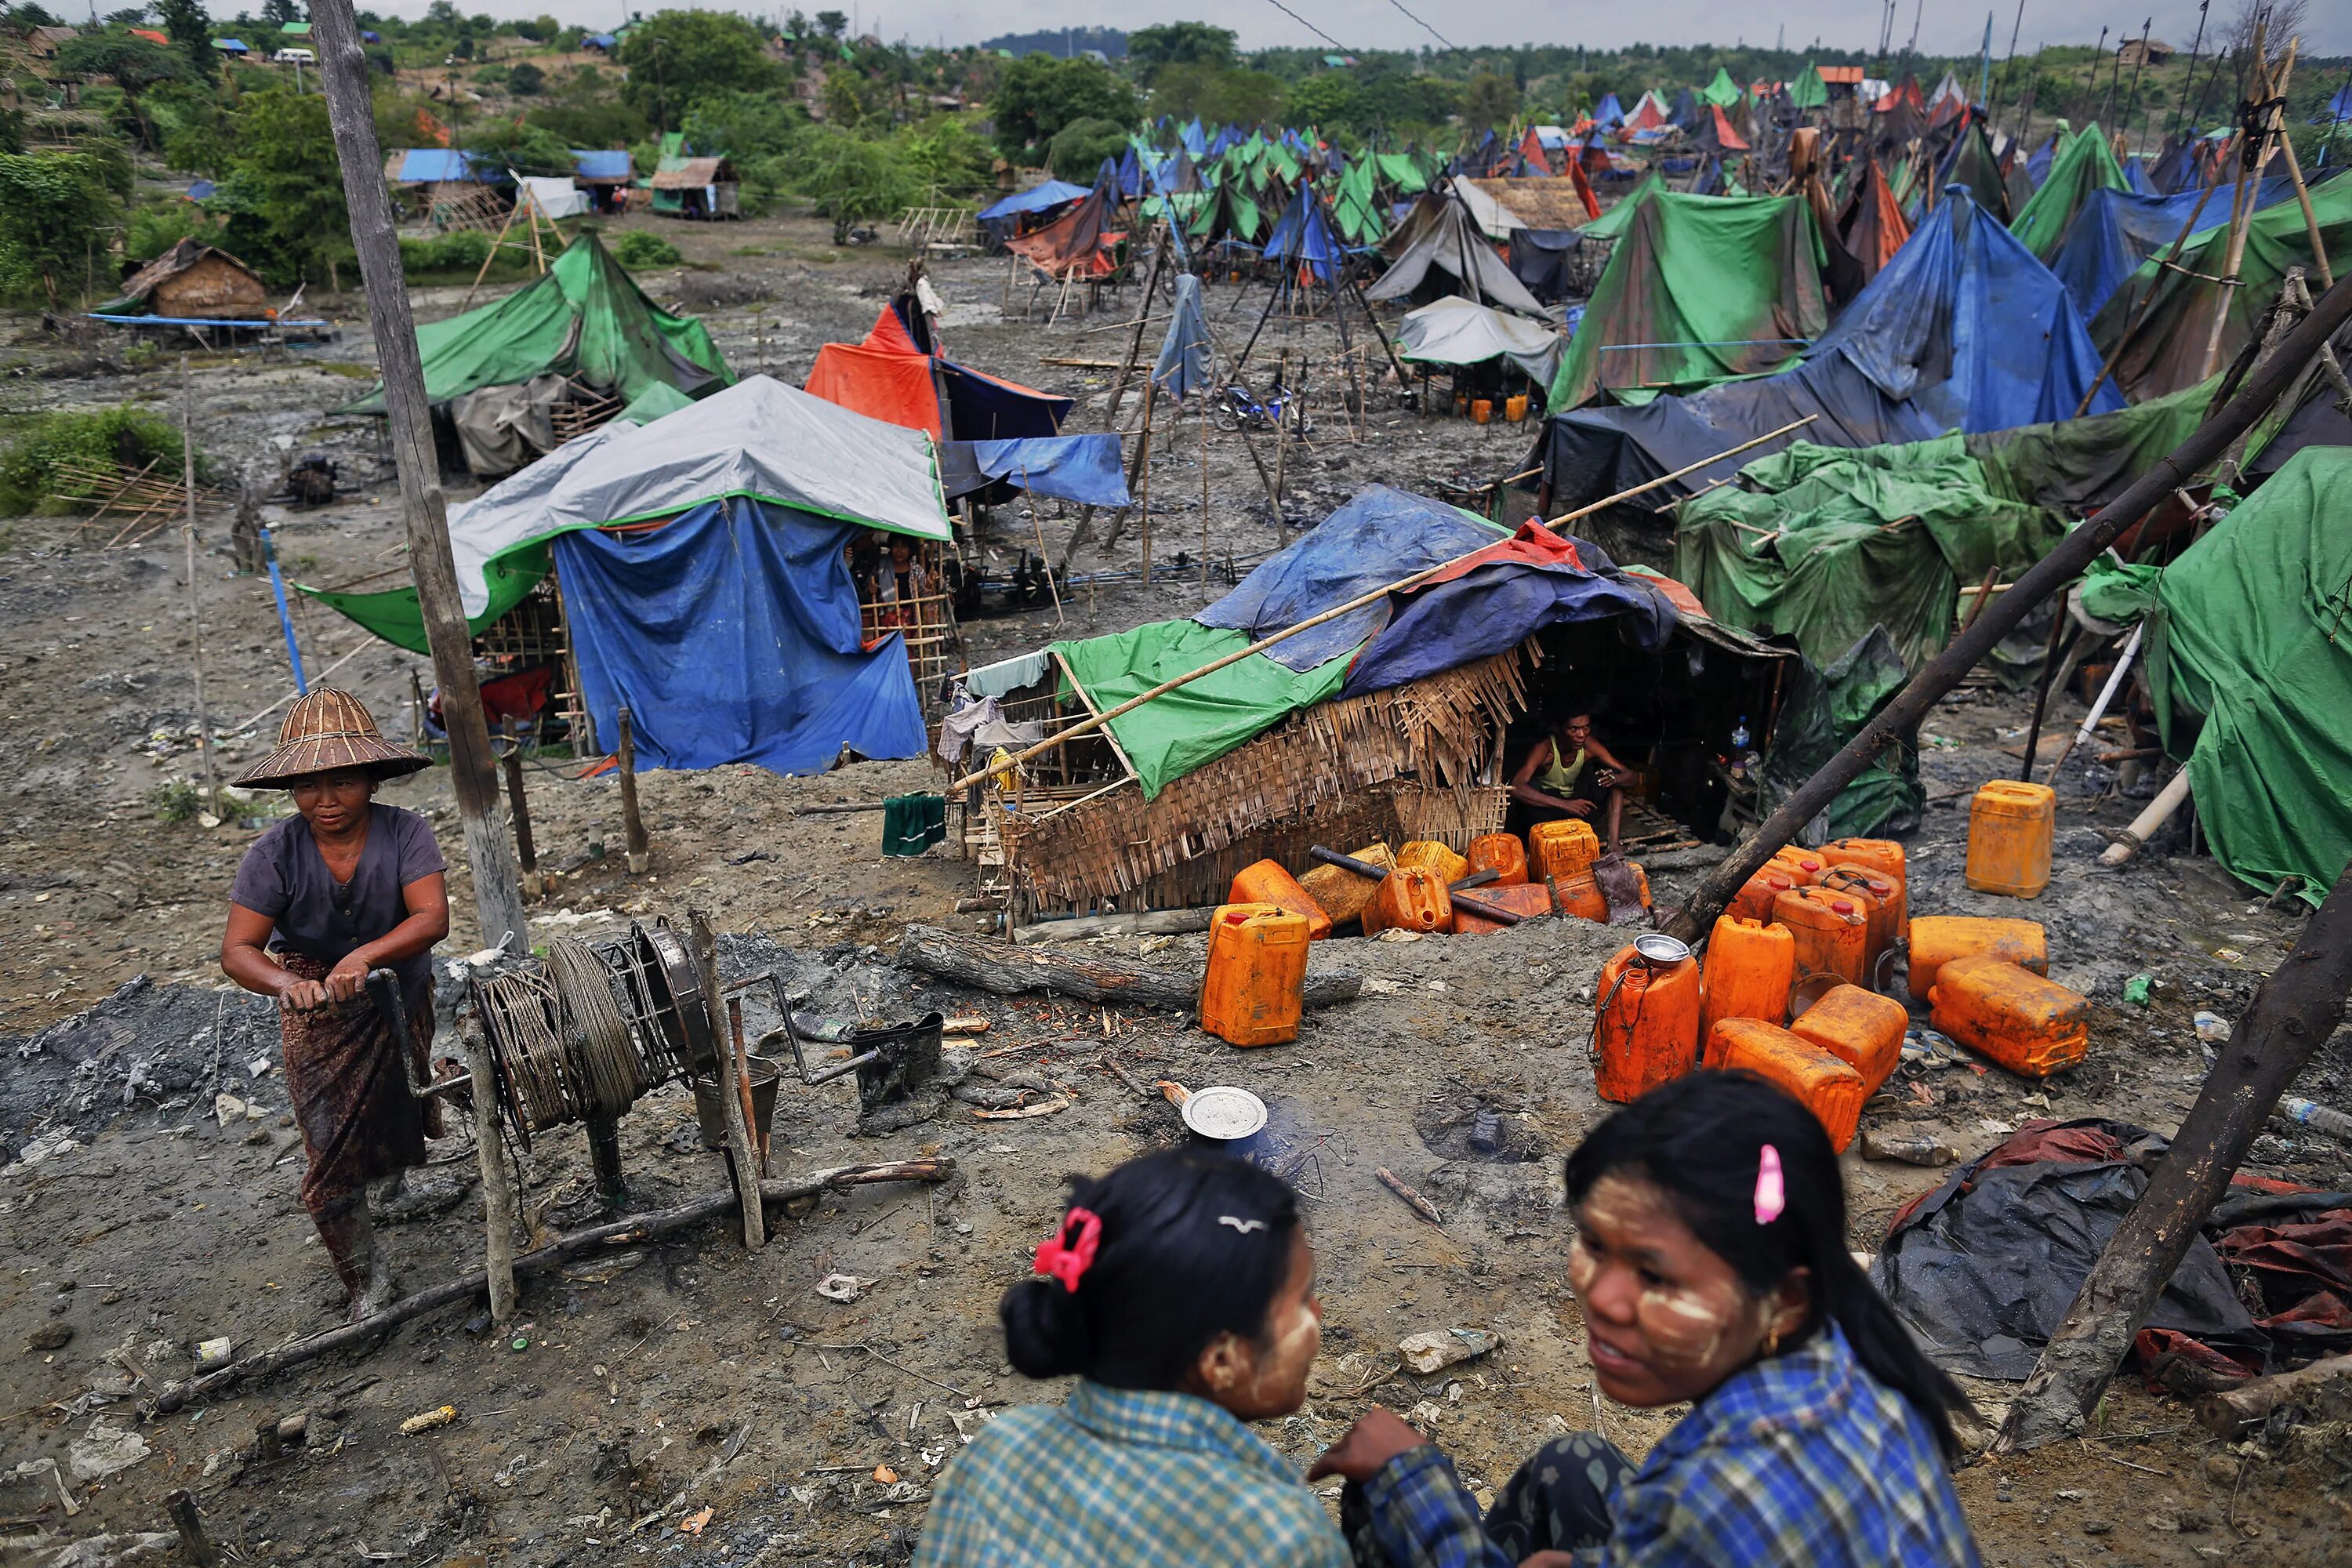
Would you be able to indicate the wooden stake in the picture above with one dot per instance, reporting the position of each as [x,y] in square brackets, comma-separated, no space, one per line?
[484,270]
[2242,211]
[1204,496]
[524,849]
[633,822]
[1135,341]
[191,1526]
[1141,483]
[498,1185]
[734,1084]
[196,616]
[343,71]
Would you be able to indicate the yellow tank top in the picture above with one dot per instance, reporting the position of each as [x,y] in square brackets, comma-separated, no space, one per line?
[1555,779]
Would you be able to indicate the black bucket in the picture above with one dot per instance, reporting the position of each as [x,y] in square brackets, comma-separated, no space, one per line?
[710,1111]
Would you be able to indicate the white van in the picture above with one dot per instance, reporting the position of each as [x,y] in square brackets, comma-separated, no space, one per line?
[294,58]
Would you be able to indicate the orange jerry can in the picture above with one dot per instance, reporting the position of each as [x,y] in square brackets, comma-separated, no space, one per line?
[1938,939]
[1881,898]
[1503,854]
[1831,931]
[1411,898]
[1525,899]
[2028,1023]
[1559,848]
[1267,883]
[1581,896]
[1884,856]
[1861,1028]
[1828,1085]
[1341,894]
[1802,867]
[1749,967]
[1432,856]
[1646,1026]
[1257,972]
[2008,838]
[1757,896]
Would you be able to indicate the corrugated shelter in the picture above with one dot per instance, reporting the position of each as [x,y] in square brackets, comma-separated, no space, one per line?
[891,376]
[193,281]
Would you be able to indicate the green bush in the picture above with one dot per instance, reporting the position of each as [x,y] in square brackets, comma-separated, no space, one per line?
[459,250]
[159,226]
[1078,149]
[524,79]
[29,467]
[637,249]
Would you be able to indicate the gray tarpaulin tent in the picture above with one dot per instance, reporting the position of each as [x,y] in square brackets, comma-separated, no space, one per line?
[1452,244]
[1455,331]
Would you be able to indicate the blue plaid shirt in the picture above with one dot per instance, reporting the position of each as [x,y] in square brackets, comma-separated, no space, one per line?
[1121,1479]
[1802,1460]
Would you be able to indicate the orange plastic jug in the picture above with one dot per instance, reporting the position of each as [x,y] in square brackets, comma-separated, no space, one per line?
[1884,856]
[1525,899]
[1581,896]
[1861,1028]
[2008,838]
[1411,898]
[1802,867]
[1938,939]
[1645,1022]
[1267,883]
[1503,854]
[1257,972]
[1432,856]
[1343,895]
[1557,848]
[1830,1088]
[1482,409]
[1881,898]
[1515,407]
[1749,968]
[1831,931]
[1756,897]
[2026,1022]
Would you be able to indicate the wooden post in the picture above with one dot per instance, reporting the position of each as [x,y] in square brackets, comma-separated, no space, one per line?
[343,71]
[1281,447]
[1135,341]
[498,1186]
[195,614]
[633,822]
[732,1078]
[1204,495]
[2042,692]
[2054,570]
[2248,182]
[524,849]
[1141,482]
[191,1526]
[2292,1015]
[484,270]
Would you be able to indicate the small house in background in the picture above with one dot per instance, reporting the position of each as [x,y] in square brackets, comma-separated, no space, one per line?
[232,48]
[605,174]
[2144,52]
[446,186]
[43,43]
[193,281]
[696,188]
[599,44]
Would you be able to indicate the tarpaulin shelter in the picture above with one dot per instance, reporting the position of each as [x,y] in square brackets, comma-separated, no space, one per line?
[1226,215]
[1449,246]
[1947,103]
[2086,165]
[1081,468]
[1609,112]
[1356,209]
[1179,175]
[1688,110]
[891,376]
[1082,242]
[2252,679]
[2114,232]
[1700,290]
[1186,362]
[1000,220]
[1722,92]
[2163,316]
[1542,260]
[1809,91]
[1970,162]
[1903,94]
[584,319]
[1302,237]
[720,610]
[1649,113]
[1871,227]
[1462,332]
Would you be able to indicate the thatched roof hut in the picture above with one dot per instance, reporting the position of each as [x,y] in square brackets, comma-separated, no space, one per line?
[194,281]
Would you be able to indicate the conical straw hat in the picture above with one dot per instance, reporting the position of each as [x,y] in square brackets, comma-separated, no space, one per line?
[327,729]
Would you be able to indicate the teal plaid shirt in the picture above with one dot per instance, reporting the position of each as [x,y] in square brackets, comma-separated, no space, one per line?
[1120,1479]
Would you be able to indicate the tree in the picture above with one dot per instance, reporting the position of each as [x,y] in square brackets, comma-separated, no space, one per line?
[186,23]
[134,63]
[1330,100]
[677,56]
[50,206]
[1152,51]
[1038,95]
[831,22]
[278,13]
[1218,97]
[1078,149]
[525,79]
[284,190]
[1489,100]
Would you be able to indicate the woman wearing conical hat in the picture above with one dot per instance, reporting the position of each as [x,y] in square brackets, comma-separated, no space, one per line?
[348,886]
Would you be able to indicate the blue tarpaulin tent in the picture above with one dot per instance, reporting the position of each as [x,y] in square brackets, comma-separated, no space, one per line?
[434,166]
[602,163]
[2114,231]
[1183,366]
[1304,235]
[1611,112]
[1195,139]
[1081,468]
[759,591]
[1036,199]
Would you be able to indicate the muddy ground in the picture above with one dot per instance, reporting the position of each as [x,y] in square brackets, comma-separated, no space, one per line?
[635,1391]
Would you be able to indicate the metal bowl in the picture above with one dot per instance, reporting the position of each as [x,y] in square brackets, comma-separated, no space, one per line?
[1656,948]
[1225,1114]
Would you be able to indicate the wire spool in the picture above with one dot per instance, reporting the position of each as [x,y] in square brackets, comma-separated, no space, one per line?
[537,1074]
[612,1071]
[589,1031]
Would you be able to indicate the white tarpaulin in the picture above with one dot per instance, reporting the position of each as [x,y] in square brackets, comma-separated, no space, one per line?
[758,439]
[1455,331]
[555,196]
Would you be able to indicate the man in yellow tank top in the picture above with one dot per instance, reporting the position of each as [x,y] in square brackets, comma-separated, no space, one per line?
[1568,774]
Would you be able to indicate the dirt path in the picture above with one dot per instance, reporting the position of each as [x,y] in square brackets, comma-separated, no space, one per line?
[636,1390]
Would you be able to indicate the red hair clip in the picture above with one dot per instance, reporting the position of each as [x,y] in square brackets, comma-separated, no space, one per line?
[1069,1262]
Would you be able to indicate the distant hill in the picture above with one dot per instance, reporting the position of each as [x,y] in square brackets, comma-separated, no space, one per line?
[1063,43]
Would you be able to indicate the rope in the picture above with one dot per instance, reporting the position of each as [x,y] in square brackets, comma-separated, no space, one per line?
[609,1066]
[518,1016]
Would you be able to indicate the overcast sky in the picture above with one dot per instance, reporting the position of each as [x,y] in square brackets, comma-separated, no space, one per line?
[1379,23]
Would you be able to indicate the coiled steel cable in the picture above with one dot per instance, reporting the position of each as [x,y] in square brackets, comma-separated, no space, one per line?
[612,1072]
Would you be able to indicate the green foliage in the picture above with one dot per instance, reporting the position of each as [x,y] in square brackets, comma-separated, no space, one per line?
[491,76]
[1331,101]
[283,190]
[519,144]
[676,59]
[459,250]
[134,63]
[12,131]
[1490,100]
[947,155]
[744,125]
[851,100]
[159,226]
[1218,97]
[29,467]
[639,249]
[190,127]
[1152,51]
[852,176]
[189,28]
[1037,96]
[586,112]
[525,79]
[1078,149]
[51,204]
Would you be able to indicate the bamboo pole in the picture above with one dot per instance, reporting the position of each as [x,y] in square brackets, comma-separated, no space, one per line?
[196,615]
[1401,585]
[2139,307]
[2242,211]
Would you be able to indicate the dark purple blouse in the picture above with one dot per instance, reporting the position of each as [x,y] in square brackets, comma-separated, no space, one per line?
[283,876]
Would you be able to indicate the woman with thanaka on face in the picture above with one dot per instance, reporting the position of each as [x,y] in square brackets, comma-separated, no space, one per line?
[1180,1290]
[1711,1267]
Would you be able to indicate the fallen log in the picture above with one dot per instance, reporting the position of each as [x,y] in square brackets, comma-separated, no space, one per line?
[2292,1015]
[2323,1389]
[466,1286]
[1008,971]
[1139,922]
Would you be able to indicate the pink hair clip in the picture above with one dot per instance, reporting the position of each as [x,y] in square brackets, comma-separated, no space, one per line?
[1069,1262]
[1771,1193]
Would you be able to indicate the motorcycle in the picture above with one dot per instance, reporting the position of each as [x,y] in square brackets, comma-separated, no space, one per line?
[1237,409]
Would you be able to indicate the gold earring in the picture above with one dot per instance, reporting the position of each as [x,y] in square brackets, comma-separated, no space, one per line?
[1772,1340]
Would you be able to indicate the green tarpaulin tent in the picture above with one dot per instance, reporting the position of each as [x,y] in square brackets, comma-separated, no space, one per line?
[586,318]
[1356,205]
[1723,92]
[2085,164]
[1809,90]
[2165,313]
[2252,675]
[1699,290]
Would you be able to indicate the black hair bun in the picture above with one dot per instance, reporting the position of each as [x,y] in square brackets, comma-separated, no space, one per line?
[1046,1330]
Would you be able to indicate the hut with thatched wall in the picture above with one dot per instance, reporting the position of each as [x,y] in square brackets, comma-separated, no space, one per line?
[193,281]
